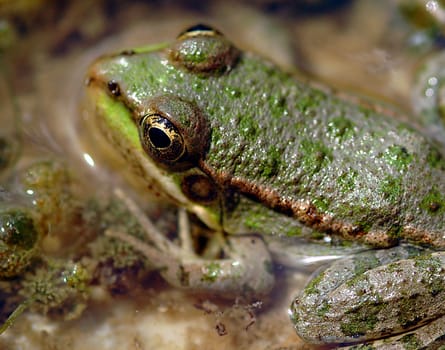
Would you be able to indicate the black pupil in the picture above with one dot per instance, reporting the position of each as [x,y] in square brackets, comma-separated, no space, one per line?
[159,138]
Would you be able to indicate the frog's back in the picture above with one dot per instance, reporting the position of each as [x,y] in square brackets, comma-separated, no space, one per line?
[337,166]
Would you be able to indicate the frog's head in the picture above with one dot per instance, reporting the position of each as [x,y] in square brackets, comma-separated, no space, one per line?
[150,104]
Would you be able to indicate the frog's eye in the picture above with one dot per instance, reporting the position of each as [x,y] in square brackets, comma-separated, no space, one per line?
[174,132]
[203,49]
[162,137]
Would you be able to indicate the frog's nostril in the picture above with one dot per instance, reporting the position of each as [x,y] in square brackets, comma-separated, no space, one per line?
[114,88]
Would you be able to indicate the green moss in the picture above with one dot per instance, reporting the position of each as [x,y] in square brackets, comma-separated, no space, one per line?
[346,181]
[322,204]
[293,231]
[323,309]
[366,112]
[391,188]
[277,105]
[18,240]
[433,202]
[248,127]
[253,222]
[77,277]
[428,262]
[363,320]
[271,164]
[432,269]
[312,286]
[395,231]
[397,156]
[314,155]
[394,267]
[59,286]
[194,56]
[365,225]
[411,342]
[233,92]
[198,86]
[341,127]
[357,280]
[317,235]
[115,252]
[303,103]
[407,316]
[358,212]
[17,229]
[435,286]
[435,159]
[212,272]
[307,102]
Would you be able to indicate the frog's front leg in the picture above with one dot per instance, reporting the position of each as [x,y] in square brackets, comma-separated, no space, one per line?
[246,268]
[372,295]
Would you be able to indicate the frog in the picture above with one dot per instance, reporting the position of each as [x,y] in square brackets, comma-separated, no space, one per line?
[257,154]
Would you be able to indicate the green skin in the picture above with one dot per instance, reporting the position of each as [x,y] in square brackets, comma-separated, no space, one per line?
[268,154]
